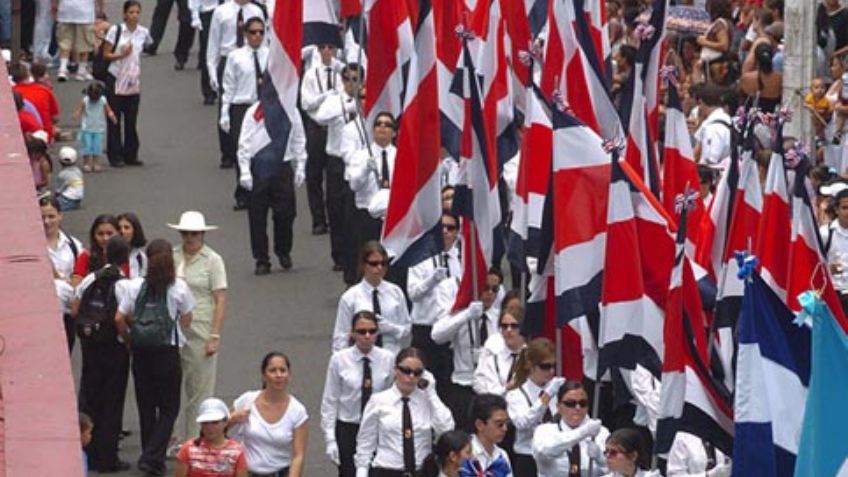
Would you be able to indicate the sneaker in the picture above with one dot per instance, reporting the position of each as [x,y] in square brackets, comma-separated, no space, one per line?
[87,168]
[62,76]
[84,75]
[173,449]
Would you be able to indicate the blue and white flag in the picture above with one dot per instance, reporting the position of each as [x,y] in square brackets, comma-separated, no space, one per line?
[824,448]
[772,377]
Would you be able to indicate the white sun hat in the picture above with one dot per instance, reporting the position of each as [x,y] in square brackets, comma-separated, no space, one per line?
[212,410]
[192,221]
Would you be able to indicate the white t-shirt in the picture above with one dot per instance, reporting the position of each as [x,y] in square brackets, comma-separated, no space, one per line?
[140,38]
[65,294]
[268,446]
[180,300]
[75,11]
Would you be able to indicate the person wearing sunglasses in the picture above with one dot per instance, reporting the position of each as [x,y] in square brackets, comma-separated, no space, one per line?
[399,424]
[490,422]
[226,33]
[240,87]
[566,447]
[374,294]
[321,83]
[532,402]
[338,110]
[627,455]
[495,372]
[466,331]
[353,376]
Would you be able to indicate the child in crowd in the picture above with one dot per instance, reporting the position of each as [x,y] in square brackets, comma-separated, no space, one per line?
[101,26]
[39,160]
[86,426]
[92,112]
[69,183]
[39,74]
[818,105]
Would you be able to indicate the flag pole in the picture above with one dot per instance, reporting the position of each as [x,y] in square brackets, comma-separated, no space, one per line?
[358,87]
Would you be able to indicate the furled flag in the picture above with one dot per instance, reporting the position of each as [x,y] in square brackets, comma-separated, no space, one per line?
[447,16]
[822,450]
[390,46]
[772,377]
[691,399]
[320,23]
[412,229]
[595,12]
[775,229]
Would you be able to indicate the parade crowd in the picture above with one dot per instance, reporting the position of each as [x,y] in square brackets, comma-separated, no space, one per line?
[413,386]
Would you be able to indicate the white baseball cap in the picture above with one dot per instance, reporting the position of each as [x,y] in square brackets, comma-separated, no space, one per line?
[68,155]
[212,410]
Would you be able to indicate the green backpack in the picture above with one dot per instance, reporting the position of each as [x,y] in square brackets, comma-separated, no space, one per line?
[152,326]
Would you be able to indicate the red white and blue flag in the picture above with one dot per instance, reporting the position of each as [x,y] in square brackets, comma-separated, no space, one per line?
[390,47]
[775,231]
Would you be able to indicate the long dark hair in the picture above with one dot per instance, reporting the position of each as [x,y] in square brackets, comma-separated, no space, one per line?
[451,441]
[117,251]
[160,266]
[266,360]
[96,254]
[372,246]
[410,352]
[764,54]
[138,240]
[630,440]
[532,355]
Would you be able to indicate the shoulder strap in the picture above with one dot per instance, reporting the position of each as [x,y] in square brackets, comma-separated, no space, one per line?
[140,264]
[526,396]
[829,240]
[71,244]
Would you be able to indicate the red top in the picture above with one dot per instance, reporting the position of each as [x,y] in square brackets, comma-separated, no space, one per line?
[206,461]
[44,101]
[29,123]
[81,265]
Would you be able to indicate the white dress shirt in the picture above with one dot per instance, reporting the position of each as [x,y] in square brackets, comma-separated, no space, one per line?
[364,181]
[835,237]
[342,399]
[335,112]
[138,263]
[239,81]
[179,299]
[223,31]
[492,371]
[254,136]
[553,440]
[314,90]
[395,325]
[380,439]
[688,456]
[484,458]
[526,411]
[63,257]
[355,137]
[421,284]
[461,331]
[714,136]
[196,7]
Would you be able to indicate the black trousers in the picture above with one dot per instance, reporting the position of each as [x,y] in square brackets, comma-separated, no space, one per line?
[375,472]
[122,141]
[277,194]
[457,398]
[205,20]
[351,246]
[70,331]
[158,375]
[337,192]
[236,119]
[316,167]
[363,228]
[524,465]
[346,440]
[224,138]
[185,36]
[103,387]
[439,357]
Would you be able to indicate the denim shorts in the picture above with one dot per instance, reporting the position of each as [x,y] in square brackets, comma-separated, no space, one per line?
[91,143]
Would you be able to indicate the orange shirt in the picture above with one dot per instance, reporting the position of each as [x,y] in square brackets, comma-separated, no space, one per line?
[206,461]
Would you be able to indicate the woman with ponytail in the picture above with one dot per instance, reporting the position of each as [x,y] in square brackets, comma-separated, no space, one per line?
[450,450]
[763,86]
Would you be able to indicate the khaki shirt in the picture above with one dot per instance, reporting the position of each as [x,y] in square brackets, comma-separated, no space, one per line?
[204,274]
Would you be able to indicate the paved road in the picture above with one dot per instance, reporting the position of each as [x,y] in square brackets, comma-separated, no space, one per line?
[290,311]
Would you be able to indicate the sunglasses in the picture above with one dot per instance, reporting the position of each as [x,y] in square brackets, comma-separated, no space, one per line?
[609,453]
[449,227]
[378,263]
[384,124]
[572,403]
[411,372]
[366,331]
[546,366]
[256,32]
[510,326]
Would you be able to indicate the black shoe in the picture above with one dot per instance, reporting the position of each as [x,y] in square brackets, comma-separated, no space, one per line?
[117,164]
[338,267]
[240,206]
[285,262]
[179,65]
[226,165]
[262,268]
[134,163]
[118,466]
[151,469]
[209,100]
[319,230]
[149,51]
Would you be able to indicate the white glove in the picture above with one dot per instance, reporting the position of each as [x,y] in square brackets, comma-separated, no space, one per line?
[300,174]
[475,309]
[224,122]
[439,274]
[246,181]
[213,82]
[721,470]
[195,21]
[350,106]
[332,452]
[594,451]
[431,384]
[591,428]
[553,386]
[373,166]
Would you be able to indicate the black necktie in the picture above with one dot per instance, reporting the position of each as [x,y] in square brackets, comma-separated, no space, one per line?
[511,372]
[240,28]
[548,417]
[408,439]
[375,306]
[366,382]
[258,70]
[445,263]
[484,330]
[574,461]
[384,174]
[329,79]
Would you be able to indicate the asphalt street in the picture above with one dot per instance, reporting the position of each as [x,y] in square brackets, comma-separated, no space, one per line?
[290,311]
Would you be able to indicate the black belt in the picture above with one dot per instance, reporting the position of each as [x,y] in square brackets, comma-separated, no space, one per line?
[284,472]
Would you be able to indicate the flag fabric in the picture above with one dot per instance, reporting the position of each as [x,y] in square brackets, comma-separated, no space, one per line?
[595,12]
[691,400]
[274,127]
[821,452]
[447,16]
[350,8]
[412,228]
[773,376]
[390,46]
[775,229]
[320,23]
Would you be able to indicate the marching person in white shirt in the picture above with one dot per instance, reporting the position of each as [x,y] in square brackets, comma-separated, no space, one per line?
[495,372]
[240,88]
[337,110]
[466,331]
[226,33]
[532,402]
[691,456]
[628,455]
[201,18]
[565,447]
[451,451]
[399,424]
[353,376]
[378,296]
[320,83]
[421,283]
[489,418]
